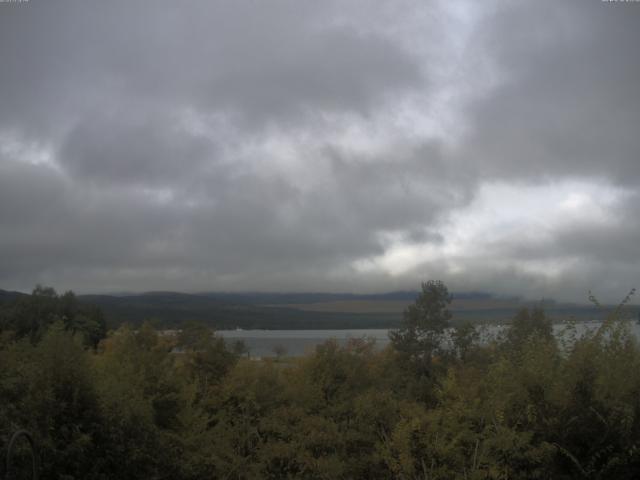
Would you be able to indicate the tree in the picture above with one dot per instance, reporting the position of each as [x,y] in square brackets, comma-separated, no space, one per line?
[240,348]
[527,325]
[424,322]
[30,316]
[464,337]
[206,357]
[280,351]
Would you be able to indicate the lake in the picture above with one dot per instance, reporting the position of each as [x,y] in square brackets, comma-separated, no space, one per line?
[262,343]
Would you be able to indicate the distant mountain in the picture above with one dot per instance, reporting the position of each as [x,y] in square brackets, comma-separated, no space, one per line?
[258,298]
[256,310]
[9,296]
[229,311]
[250,310]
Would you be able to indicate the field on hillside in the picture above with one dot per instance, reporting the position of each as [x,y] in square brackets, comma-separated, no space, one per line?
[491,310]
[398,306]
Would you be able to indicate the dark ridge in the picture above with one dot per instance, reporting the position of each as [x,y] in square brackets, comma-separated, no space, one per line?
[10,296]
[316,297]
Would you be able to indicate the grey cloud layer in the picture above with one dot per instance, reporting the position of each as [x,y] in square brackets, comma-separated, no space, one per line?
[569,104]
[270,145]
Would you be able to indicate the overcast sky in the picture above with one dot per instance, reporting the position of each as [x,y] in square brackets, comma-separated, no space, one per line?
[358,146]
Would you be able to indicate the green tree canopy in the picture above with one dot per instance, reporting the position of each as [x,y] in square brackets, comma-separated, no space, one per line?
[424,322]
[527,325]
[30,316]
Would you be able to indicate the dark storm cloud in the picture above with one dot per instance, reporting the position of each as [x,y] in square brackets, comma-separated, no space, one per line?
[278,145]
[260,60]
[569,102]
[330,70]
[124,150]
[106,86]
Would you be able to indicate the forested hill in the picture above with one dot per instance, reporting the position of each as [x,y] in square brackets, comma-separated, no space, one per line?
[306,310]
[259,298]
[8,296]
[251,310]
[229,311]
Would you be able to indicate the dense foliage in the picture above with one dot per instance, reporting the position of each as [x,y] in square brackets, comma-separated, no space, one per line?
[137,404]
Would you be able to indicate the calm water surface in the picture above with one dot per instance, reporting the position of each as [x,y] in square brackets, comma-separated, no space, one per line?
[263,343]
